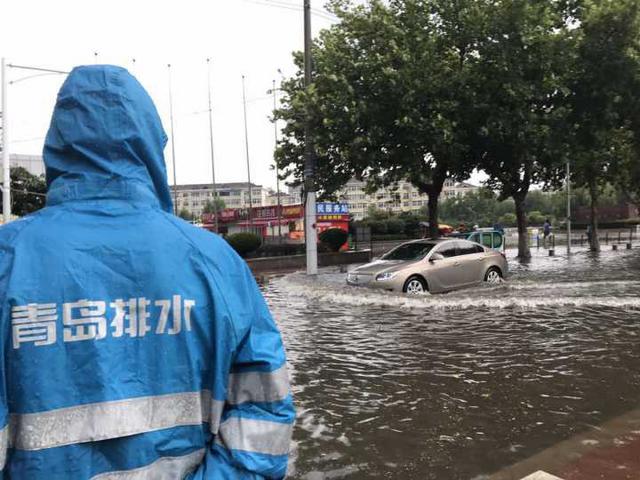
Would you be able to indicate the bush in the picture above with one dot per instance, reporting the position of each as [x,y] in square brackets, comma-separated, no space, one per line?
[617,224]
[334,238]
[395,226]
[284,250]
[244,242]
[387,237]
[537,218]
[412,228]
[378,227]
[508,220]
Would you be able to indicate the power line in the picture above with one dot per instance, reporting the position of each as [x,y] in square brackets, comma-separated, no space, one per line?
[26,140]
[27,192]
[249,102]
[290,6]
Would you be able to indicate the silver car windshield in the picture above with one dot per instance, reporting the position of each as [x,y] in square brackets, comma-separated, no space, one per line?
[409,251]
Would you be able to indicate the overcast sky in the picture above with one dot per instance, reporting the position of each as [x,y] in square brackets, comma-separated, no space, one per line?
[254,38]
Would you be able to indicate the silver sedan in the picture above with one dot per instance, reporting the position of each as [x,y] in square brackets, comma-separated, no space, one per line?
[432,266]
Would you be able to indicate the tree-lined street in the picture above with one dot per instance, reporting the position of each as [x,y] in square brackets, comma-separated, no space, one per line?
[424,90]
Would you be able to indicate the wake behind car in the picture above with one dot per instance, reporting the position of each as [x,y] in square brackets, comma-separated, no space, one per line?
[432,266]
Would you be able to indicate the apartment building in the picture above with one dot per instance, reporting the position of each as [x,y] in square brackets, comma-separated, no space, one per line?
[404,198]
[293,197]
[194,197]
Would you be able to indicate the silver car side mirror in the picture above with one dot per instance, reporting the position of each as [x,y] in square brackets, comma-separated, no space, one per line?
[436,256]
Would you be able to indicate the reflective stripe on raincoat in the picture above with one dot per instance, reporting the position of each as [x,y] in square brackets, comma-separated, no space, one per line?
[134,345]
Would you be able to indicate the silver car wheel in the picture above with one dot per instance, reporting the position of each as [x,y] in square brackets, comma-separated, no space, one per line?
[493,276]
[414,287]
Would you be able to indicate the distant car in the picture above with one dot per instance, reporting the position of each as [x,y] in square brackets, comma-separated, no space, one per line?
[489,237]
[432,266]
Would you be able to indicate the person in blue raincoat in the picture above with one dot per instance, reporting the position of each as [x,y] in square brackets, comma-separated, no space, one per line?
[134,345]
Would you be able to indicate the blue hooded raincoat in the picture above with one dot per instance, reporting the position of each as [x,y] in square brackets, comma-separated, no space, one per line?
[134,346]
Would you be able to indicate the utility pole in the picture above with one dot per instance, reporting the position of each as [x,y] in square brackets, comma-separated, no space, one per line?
[309,161]
[568,208]
[275,130]
[246,142]
[213,165]
[173,148]
[6,164]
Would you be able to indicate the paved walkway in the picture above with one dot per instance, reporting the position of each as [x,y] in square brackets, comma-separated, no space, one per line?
[608,452]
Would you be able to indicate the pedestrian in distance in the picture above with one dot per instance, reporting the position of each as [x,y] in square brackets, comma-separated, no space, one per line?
[546,232]
[134,344]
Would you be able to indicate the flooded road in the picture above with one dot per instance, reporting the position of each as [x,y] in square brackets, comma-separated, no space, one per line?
[457,386]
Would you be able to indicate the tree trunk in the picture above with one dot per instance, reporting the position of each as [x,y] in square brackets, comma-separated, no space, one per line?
[524,253]
[434,231]
[433,191]
[594,242]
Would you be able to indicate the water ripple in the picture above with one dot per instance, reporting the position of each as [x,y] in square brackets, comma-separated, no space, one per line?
[456,386]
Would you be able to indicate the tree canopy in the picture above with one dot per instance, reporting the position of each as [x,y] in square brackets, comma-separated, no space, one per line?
[604,109]
[28,192]
[389,98]
[424,90]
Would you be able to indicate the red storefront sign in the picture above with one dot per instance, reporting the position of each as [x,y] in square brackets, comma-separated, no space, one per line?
[264,214]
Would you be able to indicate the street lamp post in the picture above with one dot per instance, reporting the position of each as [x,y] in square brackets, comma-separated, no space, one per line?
[173,147]
[275,131]
[309,161]
[6,163]
[568,208]
[213,165]
[246,143]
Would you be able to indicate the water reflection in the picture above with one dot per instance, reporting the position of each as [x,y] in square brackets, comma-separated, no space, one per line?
[456,386]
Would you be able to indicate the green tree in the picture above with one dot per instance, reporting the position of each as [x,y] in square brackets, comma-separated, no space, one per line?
[390,97]
[628,177]
[213,207]
[482,208]
[185,215]
[28,192]
[508,220]
[605,83]
[374,213]
[521,94]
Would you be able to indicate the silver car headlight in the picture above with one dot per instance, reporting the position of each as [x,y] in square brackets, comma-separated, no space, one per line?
[381,277]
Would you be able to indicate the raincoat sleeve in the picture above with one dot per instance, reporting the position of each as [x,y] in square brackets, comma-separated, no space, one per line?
[254,434]
[4,411]
[5,259]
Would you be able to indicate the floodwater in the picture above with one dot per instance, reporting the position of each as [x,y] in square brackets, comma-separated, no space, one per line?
[458,386]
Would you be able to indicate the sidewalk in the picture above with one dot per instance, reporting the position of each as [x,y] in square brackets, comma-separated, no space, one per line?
[608,452]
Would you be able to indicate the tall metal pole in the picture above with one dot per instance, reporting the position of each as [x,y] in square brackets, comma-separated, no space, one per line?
[213,164]
[309,162]
[246,142]
[6,164]
[275,131]
[173,147]
[568,208]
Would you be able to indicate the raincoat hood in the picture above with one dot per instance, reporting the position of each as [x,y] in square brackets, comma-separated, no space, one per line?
[105,140]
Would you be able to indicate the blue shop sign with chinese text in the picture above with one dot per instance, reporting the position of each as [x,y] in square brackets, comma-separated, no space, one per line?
[326,208]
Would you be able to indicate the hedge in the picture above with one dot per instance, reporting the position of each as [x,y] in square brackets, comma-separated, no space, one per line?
[244,242]
[334,238]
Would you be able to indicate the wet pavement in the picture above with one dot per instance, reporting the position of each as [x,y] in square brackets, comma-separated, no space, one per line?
[462,385]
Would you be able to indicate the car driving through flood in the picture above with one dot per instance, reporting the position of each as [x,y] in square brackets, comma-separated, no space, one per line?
[433,266]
